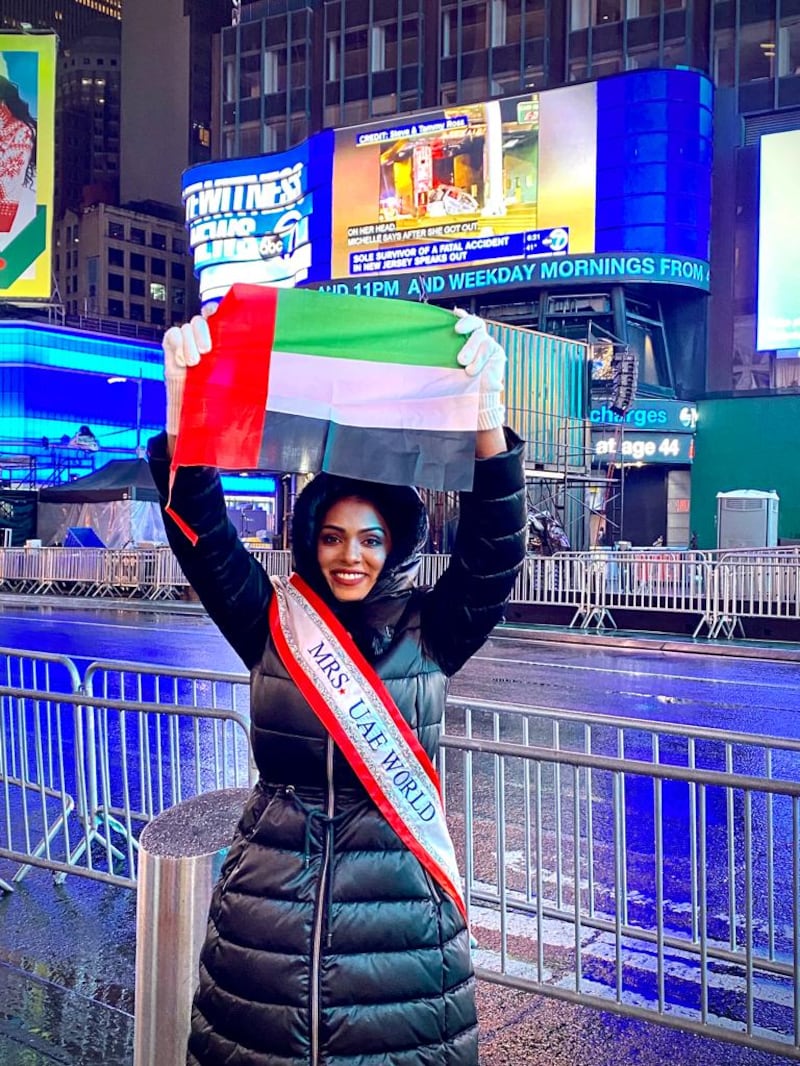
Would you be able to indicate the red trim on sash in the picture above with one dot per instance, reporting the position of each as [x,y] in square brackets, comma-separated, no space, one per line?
[339,735]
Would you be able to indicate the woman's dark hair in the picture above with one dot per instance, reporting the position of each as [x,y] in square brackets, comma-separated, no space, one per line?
[9,95]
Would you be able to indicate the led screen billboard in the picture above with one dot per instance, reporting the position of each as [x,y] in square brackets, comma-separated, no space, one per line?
[606,181]
[778,309]
[27,105]
[263,220]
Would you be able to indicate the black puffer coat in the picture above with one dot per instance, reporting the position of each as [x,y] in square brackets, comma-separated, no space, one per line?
[328,944]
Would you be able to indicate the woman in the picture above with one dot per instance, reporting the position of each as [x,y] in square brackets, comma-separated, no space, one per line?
[330,941]
[17,152]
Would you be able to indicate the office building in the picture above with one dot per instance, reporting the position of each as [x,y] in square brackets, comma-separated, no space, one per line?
[70,19]
[88,119]
[167,73]
[122,263]
[289,70]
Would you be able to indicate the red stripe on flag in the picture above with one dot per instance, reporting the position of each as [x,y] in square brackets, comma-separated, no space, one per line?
[225,400]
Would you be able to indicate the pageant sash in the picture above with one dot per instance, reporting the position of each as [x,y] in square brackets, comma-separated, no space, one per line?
[354,706]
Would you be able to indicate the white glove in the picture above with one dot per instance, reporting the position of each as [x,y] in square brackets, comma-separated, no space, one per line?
[183,346]
[481,355]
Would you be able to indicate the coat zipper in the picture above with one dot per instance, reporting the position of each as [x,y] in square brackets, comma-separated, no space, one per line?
[316,948]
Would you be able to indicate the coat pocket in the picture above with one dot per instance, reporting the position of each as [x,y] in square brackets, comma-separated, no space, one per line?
[251,820]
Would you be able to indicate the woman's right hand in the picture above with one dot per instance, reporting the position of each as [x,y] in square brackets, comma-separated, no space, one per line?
[183,346]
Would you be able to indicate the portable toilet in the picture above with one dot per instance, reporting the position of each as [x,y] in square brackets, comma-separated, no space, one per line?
[747,518]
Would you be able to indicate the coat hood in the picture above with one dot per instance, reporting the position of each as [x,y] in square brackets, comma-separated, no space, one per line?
[371,621]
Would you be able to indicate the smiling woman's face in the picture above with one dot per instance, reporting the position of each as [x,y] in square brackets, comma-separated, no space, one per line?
[352,547]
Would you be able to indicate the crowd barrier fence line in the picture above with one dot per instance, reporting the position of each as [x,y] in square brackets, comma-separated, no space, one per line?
[721,589]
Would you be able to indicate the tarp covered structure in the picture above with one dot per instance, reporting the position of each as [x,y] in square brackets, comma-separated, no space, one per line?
[119,501]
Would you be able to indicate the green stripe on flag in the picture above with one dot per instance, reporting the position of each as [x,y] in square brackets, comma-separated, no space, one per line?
[366,328]
[26,247]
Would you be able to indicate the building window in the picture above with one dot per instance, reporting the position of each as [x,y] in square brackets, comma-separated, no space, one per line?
[136,287]
[158,267]
[229,81]
[116,282]
[498,23]
[757,51]
[178,298]
[179,246]
[355,52]
[158,291]
[464,29]
[377,49]
[138,262]
[137,312]
[332,58]
[138,236]
[116,230]
[608,11]
[116,308]
[116,257]
[271,67]
[157,316]
[177,271]
[158,240]
[525,20]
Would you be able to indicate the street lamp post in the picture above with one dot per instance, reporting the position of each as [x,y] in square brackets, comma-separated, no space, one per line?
[139,381]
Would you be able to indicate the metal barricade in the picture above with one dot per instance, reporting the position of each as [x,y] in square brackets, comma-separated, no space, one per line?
[671,581]
[160,759]
[168,578]
[81,776]
[647,869]
[555,580]
[39,775]
[275,561]
[754,585]
[38,670]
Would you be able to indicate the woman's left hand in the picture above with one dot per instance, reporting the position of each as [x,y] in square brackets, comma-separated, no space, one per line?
[482,356]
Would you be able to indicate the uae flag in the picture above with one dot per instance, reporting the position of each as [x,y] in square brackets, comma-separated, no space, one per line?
[302,381]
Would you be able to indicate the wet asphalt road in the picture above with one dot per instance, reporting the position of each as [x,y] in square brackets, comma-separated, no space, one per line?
[724,692]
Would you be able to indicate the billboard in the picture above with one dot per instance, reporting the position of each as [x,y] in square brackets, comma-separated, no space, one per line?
[778,307]
[27,110]
[262,220]
[604,182]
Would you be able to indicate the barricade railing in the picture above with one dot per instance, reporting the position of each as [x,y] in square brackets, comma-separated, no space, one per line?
[748,586]
[663,580]
[719,588]
[641,867]
[80,776]
[168,685]
[38,670]
[637,867]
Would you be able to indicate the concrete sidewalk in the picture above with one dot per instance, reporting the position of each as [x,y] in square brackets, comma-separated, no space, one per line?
[67,992]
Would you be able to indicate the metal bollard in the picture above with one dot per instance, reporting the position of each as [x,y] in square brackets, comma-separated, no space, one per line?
[180,854]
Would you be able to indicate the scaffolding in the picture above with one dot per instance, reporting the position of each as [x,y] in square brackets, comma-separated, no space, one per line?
[35,463]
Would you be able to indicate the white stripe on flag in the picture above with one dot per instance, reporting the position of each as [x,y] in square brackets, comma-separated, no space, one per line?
[353,392]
